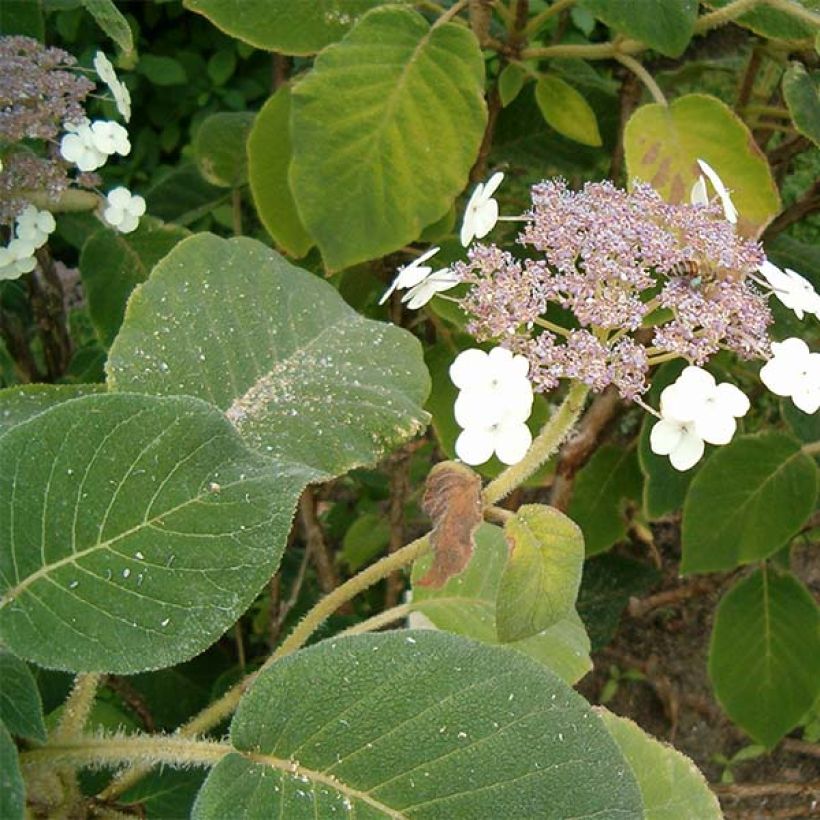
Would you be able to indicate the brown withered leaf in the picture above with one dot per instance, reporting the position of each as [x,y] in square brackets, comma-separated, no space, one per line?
[452,499]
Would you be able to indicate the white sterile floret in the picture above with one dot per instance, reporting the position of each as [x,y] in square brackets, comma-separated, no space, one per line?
[794,371]
[105,71]
[78,146]
[124,209]
[16,259]
[425,290]
[481,213]
[34,226]
[699,194]
[493,404]
[795,292]
[729,209]
[110,137]
[411,274]
[695,409]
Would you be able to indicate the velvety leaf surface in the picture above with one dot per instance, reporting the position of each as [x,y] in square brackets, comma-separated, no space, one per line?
[672,787]
[219,148]
[416,724]
[663,143]
[802,94]
[12,787]
[566,110]
[165,795]
[764,657]
[609,582]
[288,26]
[384,131]
[301,375]
[466,605]
[601,490]
[749,499]
[137,529]
[20,707]
[269,155]
[540,581]
[665,25]
[112,264]
[774,23]
[28,400]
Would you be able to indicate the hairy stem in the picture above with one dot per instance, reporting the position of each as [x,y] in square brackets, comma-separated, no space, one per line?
[545,444]
[644,76]
[557,7]
[77,708]
[379,620]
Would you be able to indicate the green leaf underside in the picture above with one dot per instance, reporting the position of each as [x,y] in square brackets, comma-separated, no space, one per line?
[12,787]
[764,657]
[671,785]
[21,709]
[136,530]
[663,143]
[112,264]
[289,26]
[269,155]
[601,488]
[540,581]
[665,25]
[566,110]
[301,375]
[183,196]
[420,725]
[802,93]
[219,148]
[384,130]
[466,606]
[28,400]
[745,504]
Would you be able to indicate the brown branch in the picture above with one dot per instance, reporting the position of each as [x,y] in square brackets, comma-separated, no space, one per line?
[48,306]
[578,449]
[320,554]
[399,488]
[638,607]
[747,81]
[629,96]
[807,204]
[788,150]
[743,791]
[801,747]
[13,333]
[123,688]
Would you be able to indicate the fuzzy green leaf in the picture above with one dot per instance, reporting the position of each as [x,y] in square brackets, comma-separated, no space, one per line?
[21,709]
[566,110]
[802,93]
[219,148]
[12,787]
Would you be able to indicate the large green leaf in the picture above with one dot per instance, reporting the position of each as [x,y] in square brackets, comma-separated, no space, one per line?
[745,504]
[566,110]
[12,787]
[417,725]
[466,605]
[665,25]
[764,657]
[540,581]
[219,148]
[802,93]
[269,154]
[137,529]
[21,709]
[671,785]
[772,22]
[112,264]
[28,400]
[288,26]
[663,144]
[301,375]
[601,490]
[384,130]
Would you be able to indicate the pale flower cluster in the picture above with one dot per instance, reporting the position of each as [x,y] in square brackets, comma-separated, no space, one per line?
[88,145]
[123,209]
[31,231]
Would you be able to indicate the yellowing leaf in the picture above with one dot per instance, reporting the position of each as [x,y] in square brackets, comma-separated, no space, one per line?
[567,111]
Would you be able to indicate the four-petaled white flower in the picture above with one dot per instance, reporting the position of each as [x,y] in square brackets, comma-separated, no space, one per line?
[425,290]
[17,258]
[699,195]
[795,292]
[110,137]
[78,146]
[105,71]
[794,371]
[124,209]
[481,213]
[411,274]
[695,409]
[493,404]
[34,226]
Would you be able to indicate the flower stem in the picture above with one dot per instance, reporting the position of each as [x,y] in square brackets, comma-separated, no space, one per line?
[77,707]
[644,76]
[545,444]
